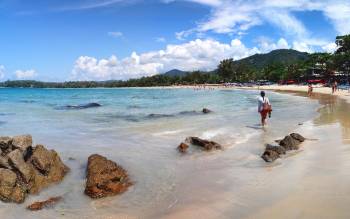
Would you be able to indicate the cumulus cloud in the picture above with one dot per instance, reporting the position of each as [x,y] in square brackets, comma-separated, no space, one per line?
[236,17]
[330,47]
[2,72]
[197,54]
[25,74]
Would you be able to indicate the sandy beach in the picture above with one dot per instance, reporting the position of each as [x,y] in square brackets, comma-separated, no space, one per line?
[235,183]
[314,183]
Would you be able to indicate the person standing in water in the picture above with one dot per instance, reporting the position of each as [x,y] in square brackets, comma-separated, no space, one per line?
[309,92]
[264,107]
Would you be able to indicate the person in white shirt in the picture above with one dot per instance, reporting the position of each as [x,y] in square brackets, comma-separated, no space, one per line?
[264,107]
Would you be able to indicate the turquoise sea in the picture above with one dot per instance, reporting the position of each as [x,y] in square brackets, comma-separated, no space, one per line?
[140,129]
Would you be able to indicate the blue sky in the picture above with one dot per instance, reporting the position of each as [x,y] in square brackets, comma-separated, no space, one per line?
[58,40]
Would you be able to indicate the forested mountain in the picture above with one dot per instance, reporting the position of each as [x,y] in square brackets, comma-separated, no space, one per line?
[282,56]
[176,72]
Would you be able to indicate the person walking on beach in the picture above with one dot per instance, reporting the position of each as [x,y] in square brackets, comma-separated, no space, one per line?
[264,107]
[334,87]
[309,91]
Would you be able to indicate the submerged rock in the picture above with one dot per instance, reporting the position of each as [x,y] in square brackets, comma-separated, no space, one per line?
[105,177]
[205,144]
[183,147]
[205,110]
[44,204]
[80,106]
[24,169]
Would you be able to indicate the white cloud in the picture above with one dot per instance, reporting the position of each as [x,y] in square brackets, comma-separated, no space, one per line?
[91,5]
[115,34]
[266,44]
[197,54]
[330,47]
[25,74]
[236,17]
[2,72]
[302,46]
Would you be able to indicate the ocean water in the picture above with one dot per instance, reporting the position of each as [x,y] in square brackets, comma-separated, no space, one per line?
[140,129]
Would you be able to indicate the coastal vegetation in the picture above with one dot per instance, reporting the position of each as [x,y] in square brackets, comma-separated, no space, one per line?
[277,66]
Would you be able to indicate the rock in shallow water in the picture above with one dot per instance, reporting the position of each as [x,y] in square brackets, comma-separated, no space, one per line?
[205,110]
[105,177]
[290,142]
[279,149]
[205,144]
[25,170]
[270,155]
[36,206]
[298,137]
[183,147]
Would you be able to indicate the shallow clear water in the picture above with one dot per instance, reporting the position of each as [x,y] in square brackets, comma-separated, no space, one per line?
[140,129]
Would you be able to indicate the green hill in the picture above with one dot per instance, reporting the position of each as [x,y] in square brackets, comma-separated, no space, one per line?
[280,56]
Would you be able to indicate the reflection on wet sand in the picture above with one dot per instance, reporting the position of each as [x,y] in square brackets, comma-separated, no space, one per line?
[311,183]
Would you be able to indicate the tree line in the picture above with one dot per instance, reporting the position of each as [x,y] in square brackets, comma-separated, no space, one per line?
[322,65]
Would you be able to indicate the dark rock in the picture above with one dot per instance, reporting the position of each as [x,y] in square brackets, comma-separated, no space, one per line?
[298,137]
[36,206]
[205,144]
[270,155]
[80,106]
[183,147]
[279,149]
[289,143]
[205,110]
[105,177]
[17,162]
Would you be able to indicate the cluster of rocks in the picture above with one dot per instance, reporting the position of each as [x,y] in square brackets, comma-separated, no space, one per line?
[289,142]
[202,143]
[25,169]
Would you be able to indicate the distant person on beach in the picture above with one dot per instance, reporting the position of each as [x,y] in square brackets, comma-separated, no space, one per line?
[309,91]
[264,107]
[334,87]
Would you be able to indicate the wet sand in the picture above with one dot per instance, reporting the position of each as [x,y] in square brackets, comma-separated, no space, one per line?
[234,183]
[311,183]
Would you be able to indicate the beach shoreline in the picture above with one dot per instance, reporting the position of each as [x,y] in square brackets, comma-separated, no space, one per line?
[233,183]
